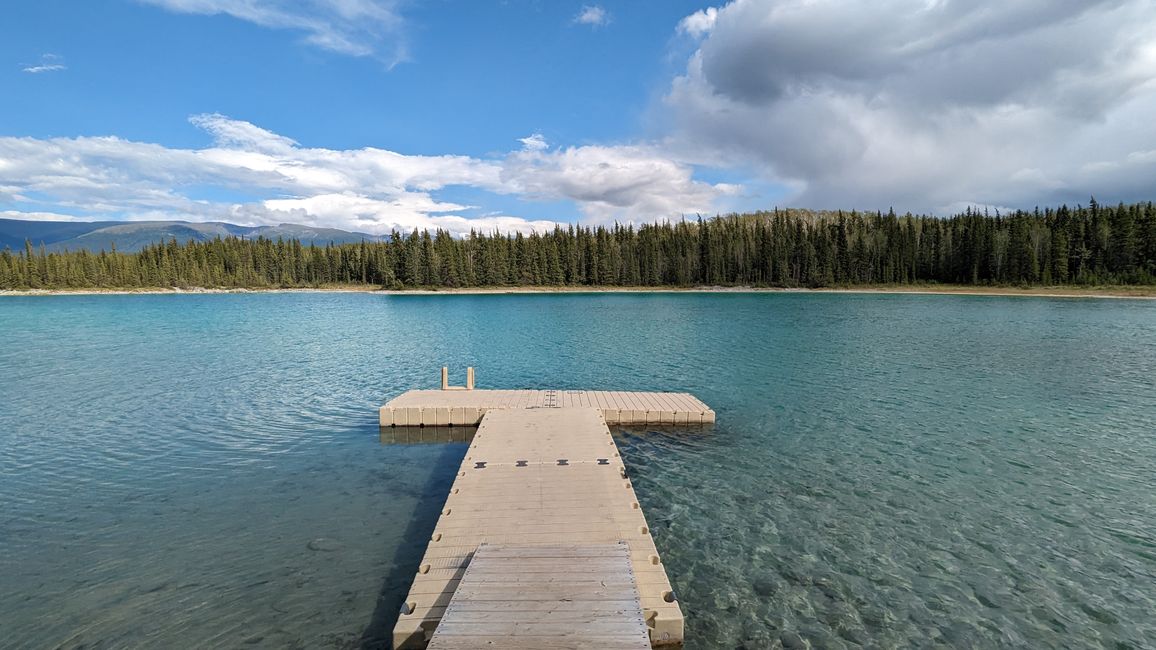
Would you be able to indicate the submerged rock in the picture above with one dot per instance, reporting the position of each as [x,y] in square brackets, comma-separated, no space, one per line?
[765,585]
[792,641]
[324,544]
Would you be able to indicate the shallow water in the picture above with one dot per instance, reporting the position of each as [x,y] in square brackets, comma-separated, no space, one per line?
[887,471]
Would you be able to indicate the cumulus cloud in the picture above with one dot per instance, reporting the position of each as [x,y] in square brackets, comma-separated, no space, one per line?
[924,104]
[609,181]
[370,189]
[592,15]
[354,27]
[698,23]
[48,63]
[405,212]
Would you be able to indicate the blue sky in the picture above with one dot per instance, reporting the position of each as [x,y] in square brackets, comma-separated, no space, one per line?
[376,114]
[477,76]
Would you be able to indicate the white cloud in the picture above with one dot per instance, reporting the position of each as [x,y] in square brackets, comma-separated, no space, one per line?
[48,63]
[405,213]
[38,216]
[372,190]
[354,27]
[535,142]
[592,15]
[699,23]
[237,134]
[924,104]
[612,182]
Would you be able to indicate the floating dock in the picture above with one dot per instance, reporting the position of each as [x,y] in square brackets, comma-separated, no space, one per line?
[466,407]
[542,542]
[522,596]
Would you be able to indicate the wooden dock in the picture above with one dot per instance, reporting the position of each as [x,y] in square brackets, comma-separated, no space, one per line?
[534,596]
[542,542]
[466,407]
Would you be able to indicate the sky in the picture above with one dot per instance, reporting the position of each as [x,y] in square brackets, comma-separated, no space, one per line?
[375,115]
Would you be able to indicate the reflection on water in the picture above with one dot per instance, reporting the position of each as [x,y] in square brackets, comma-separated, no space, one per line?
[886,471]
[701,433]
[426,435]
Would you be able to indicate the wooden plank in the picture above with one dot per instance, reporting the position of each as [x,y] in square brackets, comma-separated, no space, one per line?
[511,608]
[601,611]
[531,643]
[619,627]
[541,591]
[591,613]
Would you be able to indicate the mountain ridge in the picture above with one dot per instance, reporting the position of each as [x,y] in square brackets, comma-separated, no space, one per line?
[132,236]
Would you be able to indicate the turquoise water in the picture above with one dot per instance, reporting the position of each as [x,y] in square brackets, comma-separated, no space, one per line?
[887,471]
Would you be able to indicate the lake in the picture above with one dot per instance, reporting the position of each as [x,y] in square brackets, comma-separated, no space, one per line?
[886,471]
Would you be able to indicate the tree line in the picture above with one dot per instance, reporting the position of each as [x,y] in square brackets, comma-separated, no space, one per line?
[1091,244]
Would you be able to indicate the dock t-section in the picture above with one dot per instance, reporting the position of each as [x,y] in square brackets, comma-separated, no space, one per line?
[568,559]
[429,408]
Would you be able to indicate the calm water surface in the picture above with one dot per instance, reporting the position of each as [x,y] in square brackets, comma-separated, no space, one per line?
[887,471]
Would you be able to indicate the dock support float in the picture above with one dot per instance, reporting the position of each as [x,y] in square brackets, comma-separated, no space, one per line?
[465,406]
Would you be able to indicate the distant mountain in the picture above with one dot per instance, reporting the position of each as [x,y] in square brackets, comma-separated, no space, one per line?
[129,236]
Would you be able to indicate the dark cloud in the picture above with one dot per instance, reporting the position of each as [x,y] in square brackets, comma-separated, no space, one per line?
[927,103]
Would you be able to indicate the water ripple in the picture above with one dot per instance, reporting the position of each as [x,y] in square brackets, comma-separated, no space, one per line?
[887,471]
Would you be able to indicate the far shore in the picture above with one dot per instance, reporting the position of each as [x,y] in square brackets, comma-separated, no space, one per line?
[1126,292]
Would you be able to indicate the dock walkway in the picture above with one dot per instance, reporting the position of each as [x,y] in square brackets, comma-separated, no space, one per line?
[523,554]
[467,407]
[545,597]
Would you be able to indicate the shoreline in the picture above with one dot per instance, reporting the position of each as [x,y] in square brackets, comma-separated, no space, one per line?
[1124,292]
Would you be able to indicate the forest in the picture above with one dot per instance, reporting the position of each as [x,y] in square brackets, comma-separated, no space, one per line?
[1088,245]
